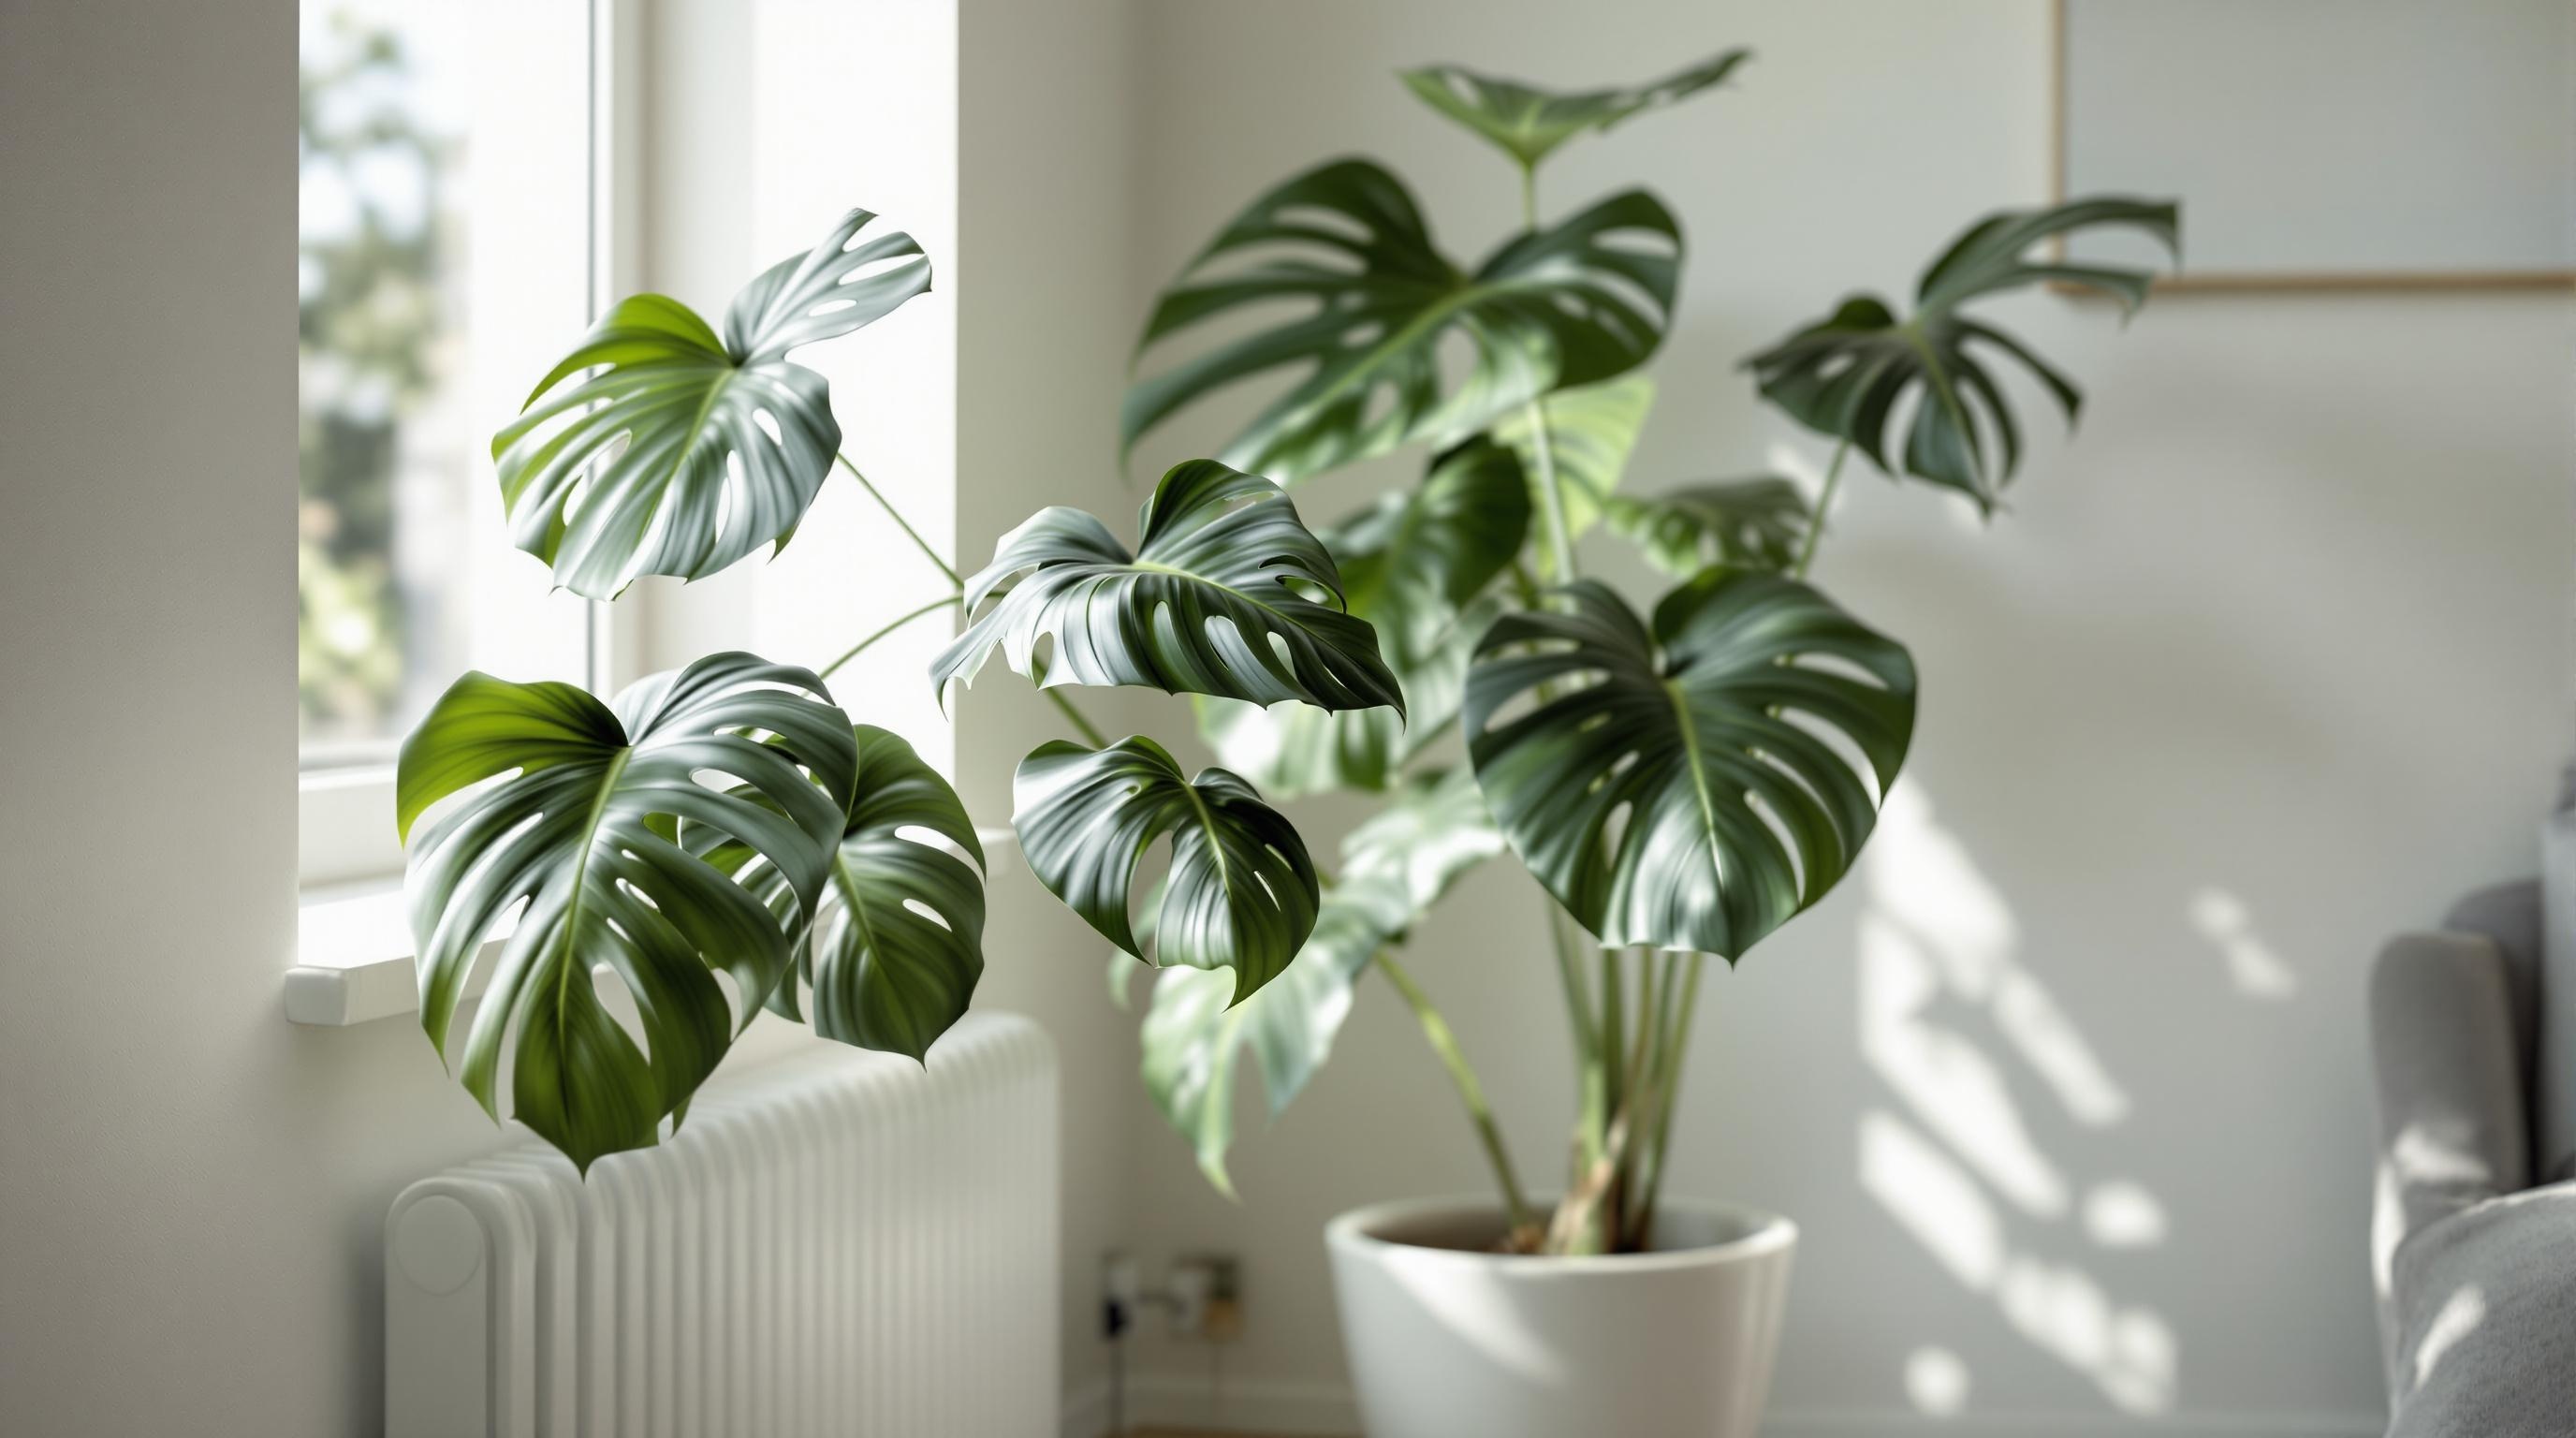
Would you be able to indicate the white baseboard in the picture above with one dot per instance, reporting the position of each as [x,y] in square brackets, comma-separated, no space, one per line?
[1176,1400]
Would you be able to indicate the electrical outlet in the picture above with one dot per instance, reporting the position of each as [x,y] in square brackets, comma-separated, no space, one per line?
[1207,1297]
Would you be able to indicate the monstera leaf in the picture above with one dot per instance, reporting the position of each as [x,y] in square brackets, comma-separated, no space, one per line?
[1375,304]
[1412,565]
[1845,375]
[1742,523]
[1393,868]
[1588,434]
[1526,122]
[1211,603]
[581,835]
[1194,1035]
[1241,893]
[1675,791]
[686,452]
[898,943]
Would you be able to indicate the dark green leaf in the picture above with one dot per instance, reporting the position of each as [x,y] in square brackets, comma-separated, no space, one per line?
[1589,433]
[1373,305]
[1240,894]
[886,974]
[1743,523]
[1678,790]
[1527,122]
[1845,375]
[581,834]
[1210,604]
[1393,868]
[684,453]
[1411,566]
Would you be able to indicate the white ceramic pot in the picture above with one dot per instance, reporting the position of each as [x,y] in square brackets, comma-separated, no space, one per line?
[1446,1339]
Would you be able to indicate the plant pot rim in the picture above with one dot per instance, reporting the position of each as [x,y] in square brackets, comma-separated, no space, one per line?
[1355,1232]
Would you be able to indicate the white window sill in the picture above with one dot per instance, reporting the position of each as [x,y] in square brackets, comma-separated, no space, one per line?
[353,958]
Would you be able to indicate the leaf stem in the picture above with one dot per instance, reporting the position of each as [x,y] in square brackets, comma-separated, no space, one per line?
[900,522]
[1560,539]
[1089,731]
[1529,196]
[890,626]
[1667,1084]
[1824,501]
[1435,1030]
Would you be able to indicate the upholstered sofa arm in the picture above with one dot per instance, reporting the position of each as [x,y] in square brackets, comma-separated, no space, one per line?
[2452,1127]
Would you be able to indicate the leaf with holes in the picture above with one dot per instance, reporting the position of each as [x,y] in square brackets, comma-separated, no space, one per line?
[1194,1035]
[1845,375]
[1393,867]
[580,834]
[898,945]
[685,452]
[1217,600]
[1412,565]
[1526,122]
[1742,523]
[1374,304]
[1678,789]
[1588,434]
[1241,892]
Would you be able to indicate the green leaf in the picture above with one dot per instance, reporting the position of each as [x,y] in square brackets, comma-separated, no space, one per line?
[899,942]
[1373,304]
[1393,868]
[1216,601]
[1589,433]
[1240,894]
[1526,122]
[581,834]
[1742,523]
[1424,838]
[683,453]
[1194,1035]
[1845,375]
[1412,565]
[1677,790]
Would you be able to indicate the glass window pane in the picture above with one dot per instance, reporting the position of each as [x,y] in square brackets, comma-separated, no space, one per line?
[443,263]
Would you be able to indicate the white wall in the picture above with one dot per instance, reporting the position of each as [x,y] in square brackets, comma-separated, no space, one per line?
[190,1189]
[2279,644]
[1045,101]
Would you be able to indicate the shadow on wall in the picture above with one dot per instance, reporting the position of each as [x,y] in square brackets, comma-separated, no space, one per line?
[1951,1156]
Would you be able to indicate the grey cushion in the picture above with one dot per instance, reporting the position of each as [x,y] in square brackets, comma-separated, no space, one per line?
[2487,1306]
[2553,1086]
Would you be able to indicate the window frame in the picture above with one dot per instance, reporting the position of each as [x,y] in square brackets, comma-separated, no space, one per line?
[345,837]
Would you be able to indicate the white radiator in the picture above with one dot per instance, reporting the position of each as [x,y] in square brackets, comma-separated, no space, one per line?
[836,1243]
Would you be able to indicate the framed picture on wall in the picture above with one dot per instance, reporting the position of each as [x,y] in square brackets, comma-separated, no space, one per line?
[2331,144]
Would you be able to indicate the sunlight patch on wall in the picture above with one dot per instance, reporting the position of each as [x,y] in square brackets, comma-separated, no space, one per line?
[1938,958]
[2258,973]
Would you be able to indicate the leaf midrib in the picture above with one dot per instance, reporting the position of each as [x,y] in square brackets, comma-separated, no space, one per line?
[1698,771]
[564,962]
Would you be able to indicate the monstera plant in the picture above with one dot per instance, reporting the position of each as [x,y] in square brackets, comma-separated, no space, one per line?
[1682,775]
[726,838]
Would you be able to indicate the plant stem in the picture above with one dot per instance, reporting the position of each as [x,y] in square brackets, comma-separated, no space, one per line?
[1072,715]
[1090,732]
[1614,1032]
[1667,1082]
[1560,538]
[1578,1004]
[900,522]
[890,626]
[1824,501]
[1435,1030]
[1529,196]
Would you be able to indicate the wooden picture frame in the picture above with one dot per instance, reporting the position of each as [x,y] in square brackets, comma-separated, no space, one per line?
[2398,277]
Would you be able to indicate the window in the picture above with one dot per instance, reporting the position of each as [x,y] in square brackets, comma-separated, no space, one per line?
[445,257]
